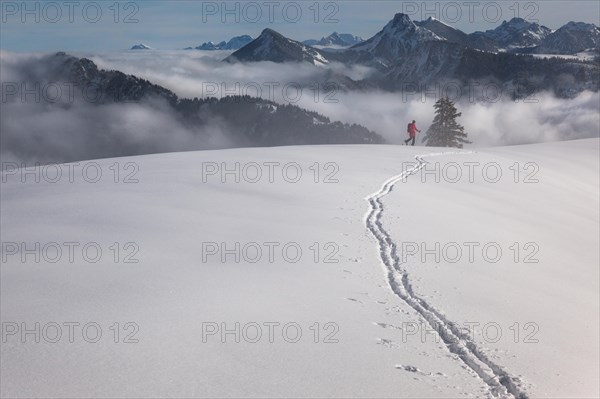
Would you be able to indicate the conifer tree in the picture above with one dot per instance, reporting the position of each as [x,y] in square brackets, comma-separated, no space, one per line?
[445,130]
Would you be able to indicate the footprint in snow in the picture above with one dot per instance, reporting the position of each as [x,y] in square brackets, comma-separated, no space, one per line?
[385,325]
[353,300]
[386,342]
[411,369]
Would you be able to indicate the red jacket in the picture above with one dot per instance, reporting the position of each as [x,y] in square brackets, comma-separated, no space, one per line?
[412,129]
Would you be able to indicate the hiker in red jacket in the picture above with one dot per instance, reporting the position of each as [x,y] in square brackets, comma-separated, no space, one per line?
[412,133]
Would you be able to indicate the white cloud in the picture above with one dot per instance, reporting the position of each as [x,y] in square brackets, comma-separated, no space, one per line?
[43,133]
[505,122]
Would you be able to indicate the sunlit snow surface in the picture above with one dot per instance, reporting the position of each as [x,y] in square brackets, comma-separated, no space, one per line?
[174,208]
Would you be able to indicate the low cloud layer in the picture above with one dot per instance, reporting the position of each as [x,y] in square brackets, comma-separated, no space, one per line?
[541,117]
[37,133]
[41,132]
[545,118]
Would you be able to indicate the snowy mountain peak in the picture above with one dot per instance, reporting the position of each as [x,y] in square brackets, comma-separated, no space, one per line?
[268,36]
[141,46]
[514,34]
[519,25]
[443,30]
[238,42]
[571,38]
[433,20]
[402,21]
[403,26]
[273,46]
[580,26]
[447,32]
[234,43]
[401,36]
[268,32]
[336,39]
[517,22]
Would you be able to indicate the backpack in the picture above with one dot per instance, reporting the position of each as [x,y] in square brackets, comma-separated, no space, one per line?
[408,128]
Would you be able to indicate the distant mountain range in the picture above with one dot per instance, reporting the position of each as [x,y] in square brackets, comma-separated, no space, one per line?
[237,42]
[521,36]
[429,52]
[514,36]
[234,43]
[335,40]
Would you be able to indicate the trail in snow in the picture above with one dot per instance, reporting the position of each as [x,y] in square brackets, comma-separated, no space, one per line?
[499,382]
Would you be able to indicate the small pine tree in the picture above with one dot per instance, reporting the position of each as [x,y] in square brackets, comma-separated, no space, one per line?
[445,131]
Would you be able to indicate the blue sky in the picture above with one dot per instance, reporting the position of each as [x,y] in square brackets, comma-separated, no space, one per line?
[110,25]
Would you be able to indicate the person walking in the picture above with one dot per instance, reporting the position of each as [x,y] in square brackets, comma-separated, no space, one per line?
[412,133]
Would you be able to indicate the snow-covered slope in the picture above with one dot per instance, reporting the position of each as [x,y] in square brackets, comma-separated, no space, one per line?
[380,344]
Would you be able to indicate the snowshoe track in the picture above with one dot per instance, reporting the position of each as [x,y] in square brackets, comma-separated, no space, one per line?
[499,382]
